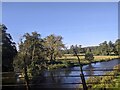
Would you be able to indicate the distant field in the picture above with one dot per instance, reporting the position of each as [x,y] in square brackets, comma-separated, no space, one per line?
[70,57]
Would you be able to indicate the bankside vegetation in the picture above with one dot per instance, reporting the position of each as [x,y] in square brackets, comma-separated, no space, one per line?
[35,53]
[110,81]
[38,53]
[8,49]
[104,48]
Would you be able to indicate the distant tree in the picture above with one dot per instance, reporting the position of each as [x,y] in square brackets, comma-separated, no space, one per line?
[88,55]
[104,48]
[77,48]
[54,46]
[117,47]
[111,47]
[96,50]
[88,50]
[71,49]
[66,50]
[9,50]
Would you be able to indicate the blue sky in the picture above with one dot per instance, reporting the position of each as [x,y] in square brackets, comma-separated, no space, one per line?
[85,24]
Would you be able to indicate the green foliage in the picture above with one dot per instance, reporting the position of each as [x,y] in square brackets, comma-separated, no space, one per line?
[89,56]
[8,49]
[37,51]
[70,51]
[103,82]
[117,47]
[104,48]
[32,50]
[54,46]
[69,63]
[56,66]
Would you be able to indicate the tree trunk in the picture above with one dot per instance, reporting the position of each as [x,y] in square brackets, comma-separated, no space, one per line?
[52,53]
[81,75]
[26,76]
[51,57]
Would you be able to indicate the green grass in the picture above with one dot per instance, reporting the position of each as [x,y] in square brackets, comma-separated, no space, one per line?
[105,82]
[69,60]
[83,61]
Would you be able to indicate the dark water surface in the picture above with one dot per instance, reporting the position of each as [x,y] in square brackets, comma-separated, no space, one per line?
[62,78]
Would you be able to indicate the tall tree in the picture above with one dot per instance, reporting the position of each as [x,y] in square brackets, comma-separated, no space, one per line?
[9,50]
[54,45]
[32,50]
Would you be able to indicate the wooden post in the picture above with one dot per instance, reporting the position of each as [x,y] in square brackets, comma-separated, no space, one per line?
[81,75]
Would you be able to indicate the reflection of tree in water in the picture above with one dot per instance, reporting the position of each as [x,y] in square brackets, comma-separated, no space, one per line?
[52,73]
[58,80]
[90,68]
[67,71]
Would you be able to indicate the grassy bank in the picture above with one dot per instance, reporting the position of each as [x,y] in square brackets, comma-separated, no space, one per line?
[70,61]
[83,61]
[96,58]
[105,82]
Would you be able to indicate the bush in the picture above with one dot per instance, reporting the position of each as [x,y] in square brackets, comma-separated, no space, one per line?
[89,56]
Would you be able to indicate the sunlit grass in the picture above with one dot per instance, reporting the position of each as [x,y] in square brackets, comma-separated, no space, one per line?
[104,57]
[82,58]
[71,60]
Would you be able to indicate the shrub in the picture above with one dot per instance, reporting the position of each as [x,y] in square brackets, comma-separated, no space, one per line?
[89,57]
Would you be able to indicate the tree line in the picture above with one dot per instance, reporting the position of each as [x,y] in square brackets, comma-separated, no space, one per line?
[37,53]
[104,48]
[33,51]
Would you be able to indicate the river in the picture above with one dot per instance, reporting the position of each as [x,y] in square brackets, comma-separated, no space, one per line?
[62,78]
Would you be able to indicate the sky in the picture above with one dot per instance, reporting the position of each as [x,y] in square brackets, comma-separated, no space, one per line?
[83,23]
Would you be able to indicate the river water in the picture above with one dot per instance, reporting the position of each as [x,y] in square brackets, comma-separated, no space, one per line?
[64,78]
[68,74]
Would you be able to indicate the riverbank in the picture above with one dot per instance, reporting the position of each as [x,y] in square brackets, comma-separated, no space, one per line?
[71,75]
[111,80]
[50,76]
[71,61]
